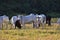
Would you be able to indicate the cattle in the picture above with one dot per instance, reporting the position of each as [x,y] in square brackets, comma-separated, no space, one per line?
[41,19]
[44,19]
[48,20]
[28,19]
[18,24]
[13,20]
[35,19]
[4,21]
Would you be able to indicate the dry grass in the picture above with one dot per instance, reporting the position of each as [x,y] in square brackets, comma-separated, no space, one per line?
[29,34]
[48,33]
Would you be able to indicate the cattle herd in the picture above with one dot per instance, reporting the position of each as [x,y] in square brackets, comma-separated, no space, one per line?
[20,20]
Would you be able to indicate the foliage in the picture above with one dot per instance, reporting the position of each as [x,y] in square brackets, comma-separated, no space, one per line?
[14,7]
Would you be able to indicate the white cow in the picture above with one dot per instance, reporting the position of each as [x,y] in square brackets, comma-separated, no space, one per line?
[41,19]
[36,19]
[13,20]
[28,19]
[4,20]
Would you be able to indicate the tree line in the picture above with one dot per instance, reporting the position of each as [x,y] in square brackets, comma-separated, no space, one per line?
[14,7]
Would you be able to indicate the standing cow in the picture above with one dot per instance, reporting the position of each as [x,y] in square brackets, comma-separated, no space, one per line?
[4,21]
[48,20]
[41,19]
[28,19]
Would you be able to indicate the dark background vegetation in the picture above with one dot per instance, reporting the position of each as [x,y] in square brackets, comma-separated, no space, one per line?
[14,7]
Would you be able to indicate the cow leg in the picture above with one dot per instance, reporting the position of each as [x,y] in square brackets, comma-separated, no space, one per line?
[7,25]
[23,24]
[0,25]
[43,25]
[33,25]
[14,26]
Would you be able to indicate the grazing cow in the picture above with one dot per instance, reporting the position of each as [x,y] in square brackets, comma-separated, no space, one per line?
[14,19]
[18,24]
[48,20]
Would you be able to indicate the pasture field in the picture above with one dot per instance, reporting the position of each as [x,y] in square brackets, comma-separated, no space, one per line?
[47,33]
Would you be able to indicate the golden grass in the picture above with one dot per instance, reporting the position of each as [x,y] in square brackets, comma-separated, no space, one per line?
[47,33]
[29,34]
